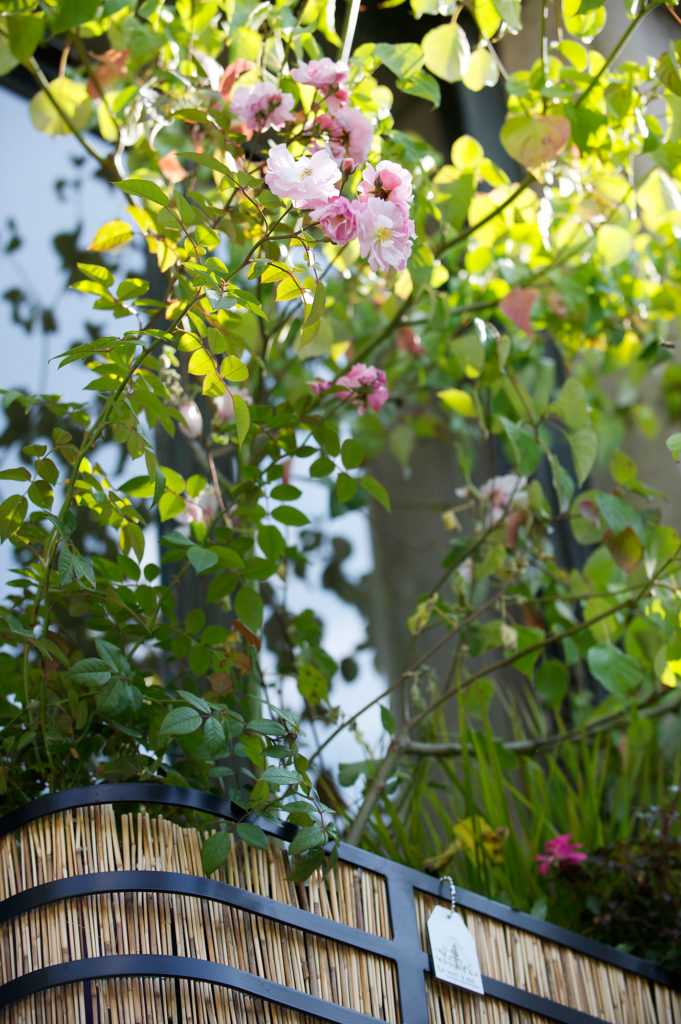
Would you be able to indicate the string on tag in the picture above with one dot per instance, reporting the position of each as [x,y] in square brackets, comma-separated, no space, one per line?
[452,893]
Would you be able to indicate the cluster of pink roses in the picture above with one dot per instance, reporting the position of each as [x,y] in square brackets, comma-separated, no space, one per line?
[379,216]
[365,386]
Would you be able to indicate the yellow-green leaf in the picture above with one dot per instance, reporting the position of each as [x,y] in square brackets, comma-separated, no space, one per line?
[446,52]
[242,417]
[233,369]
[111,235]
[482,70]
[200,363]
[535,140]
[72,99]
[458,401]
[613,244]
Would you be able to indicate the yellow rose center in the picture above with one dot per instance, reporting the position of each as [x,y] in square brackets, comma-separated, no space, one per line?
[383,234]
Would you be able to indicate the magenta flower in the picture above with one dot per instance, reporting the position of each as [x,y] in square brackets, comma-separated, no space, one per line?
[326,75]
[560,852]
[387,180]
[307,181]
[385,233]
[350,135]
[337,219]
[261,106]
[364,386]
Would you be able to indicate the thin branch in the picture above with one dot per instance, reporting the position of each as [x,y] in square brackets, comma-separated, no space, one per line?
[105,163]
[454,748]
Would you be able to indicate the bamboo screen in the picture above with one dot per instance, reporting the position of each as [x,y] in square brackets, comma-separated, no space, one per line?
[340,943]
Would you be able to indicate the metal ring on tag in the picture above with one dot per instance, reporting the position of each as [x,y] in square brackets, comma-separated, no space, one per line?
[452,892]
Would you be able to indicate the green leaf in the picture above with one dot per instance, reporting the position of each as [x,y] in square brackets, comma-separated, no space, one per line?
[195,701]
[180,722]
[346,488]
[280,776]
[551,681]
[111,235]
[352,454]
[271,542]
[90,671]
[422,85]
[290,516]
[388,720]
[446,52]
[306,839]
[619,516]
[214,735]
[673,443]
[71,97]
[571,405]
[266,727]
[12,514]
[562,482]
[242,417]
[145,190]
[71,13]
[526,451]
[618,672]
[113,657]
[312,683]
[252,834]
[201,558]
[215,852]
[249,608]
[376,489]
[24,32]
[21,473]
[584,448]
[510,12]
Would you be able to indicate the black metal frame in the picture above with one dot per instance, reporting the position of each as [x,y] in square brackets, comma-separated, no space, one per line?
[404,949]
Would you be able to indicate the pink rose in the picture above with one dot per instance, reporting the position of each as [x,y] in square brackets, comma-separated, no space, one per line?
[387,180]
[192,420]
[328,77]
[350,135]
[385,233]
[337,220]
[560,852]
[223,405]
[261,106]
[201,509]
[307,181]
[364,386]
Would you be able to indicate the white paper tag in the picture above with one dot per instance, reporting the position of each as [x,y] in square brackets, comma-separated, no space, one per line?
[455,957]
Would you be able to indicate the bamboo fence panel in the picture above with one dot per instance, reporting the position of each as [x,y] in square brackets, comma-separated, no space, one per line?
[96,839]
[91,839]
[548,969]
